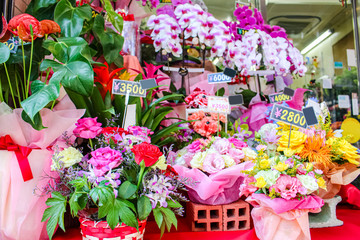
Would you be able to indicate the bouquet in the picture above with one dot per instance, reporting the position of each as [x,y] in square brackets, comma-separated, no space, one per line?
[117,176]
[215,166]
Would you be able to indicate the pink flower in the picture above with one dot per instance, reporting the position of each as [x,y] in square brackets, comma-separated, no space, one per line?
[222,145]
[246,188]
[213,163]
[87,128]
[195,146]
[104,159]
[236,154]
[288,187]
[238,143]
[301,169]
[261,147]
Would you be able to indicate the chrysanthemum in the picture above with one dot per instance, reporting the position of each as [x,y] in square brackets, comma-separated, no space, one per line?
[316,152]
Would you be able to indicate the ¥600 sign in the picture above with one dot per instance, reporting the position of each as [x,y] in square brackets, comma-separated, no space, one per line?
[288,115]
[122,87]
[218,78]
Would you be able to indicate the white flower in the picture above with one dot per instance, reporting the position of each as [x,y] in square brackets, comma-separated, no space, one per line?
[249,154]
[270,176]
[229,161]
[308,182]
[160,164]
[198,160]
[68,157]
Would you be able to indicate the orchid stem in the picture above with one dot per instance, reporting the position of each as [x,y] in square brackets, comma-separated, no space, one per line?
[24,66]
[12,93]
[31,57]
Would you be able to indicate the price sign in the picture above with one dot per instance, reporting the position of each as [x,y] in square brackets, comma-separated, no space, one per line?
[121,87]
[218,78]
[218,104]
[279,97]
[288,115]
[12,44]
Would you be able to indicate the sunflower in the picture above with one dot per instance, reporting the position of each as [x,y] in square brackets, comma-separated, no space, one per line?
[316,152]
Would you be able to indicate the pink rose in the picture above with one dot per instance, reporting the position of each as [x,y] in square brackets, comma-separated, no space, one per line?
[213,163]
[222,145]
[246,188]
[188,157]
[195,146]
[301,169]
[288,187]
[236,154]
[87,128]
[104,159]
[238,143]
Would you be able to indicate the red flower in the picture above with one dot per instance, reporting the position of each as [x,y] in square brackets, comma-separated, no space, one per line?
[5,34]
[147,152]
[20,26]
[105,78]
[112,131]
[170,172]
[47,27]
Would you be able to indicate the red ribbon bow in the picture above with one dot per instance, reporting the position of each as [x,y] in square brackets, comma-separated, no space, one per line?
[6,143]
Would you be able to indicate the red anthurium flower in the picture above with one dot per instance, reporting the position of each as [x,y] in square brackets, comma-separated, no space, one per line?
[47,27]
[5,33]
[20,26]
[105,78]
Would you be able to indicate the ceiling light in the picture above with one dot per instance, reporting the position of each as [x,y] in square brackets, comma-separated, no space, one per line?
[317,41]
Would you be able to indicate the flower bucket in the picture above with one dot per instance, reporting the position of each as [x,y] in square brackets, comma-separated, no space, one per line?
[99,230]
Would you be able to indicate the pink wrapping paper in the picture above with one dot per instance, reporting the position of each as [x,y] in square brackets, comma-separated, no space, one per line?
[20,210]
[255,114]
[215,189]
[280,219]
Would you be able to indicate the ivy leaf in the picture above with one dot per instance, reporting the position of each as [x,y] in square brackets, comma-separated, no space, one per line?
[144,207]
[126,190]
[71,19]
[102,194]
[55,213]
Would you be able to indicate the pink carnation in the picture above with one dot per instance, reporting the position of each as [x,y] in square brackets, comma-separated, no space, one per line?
[87,128]
[213,163]
[104,159]
[288,187]
[246,188]
[222,145]
[238,143]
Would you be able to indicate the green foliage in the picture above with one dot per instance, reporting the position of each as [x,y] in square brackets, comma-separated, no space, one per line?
[126,190]
[164,217]
[144,207]
[5,53]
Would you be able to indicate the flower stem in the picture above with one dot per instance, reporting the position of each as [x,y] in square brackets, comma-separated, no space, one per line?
[31,57]
[17,88]
[91,144]
[24,66]
[142,171]
[12,93]
[1,94]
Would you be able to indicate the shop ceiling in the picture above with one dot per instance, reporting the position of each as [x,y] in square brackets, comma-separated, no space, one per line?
[304,20]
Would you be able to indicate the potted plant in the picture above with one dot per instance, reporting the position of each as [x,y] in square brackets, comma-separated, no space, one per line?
[113,183]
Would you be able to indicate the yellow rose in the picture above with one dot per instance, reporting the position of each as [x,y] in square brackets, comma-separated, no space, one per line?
[229,161]
[297,141]
[260,182]
[309,166]
[281,166]
[160,164]
[321,182]
[198,160]
[264,164]
[68,157]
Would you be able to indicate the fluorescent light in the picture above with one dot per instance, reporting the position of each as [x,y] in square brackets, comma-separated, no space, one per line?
[317,41]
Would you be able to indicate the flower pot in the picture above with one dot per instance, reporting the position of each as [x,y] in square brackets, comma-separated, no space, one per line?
[93,230]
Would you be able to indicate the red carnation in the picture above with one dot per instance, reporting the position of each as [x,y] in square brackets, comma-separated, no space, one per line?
[147,152]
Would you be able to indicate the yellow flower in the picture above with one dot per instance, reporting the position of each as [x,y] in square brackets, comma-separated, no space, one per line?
[229,161]
[297,141]
[344,148]
[264,164]
[160,164]
[281,166]
[321,182]
[68,157]
[260,182]
[309,167]
[249,154]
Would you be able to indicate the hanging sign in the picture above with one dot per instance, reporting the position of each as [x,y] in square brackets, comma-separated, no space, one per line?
[121,87]
[218,104]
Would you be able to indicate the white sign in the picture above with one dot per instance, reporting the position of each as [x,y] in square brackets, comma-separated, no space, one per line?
[219,104]
[351,57]
[344,101]
[130,118]
[355,104]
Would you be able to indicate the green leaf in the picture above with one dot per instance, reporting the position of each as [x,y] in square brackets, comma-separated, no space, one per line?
[77,202]
[120,212]
[173,204]
[169,217]
[166,131]
[58,49]
[159,118]
[220,92]
[80,184]
[4,53]
[144,207]
[150,120]
[42,9]
[36,122]
[158,217]
[165,98]
[78,77]
[126,190]
[71,19]
[55,213]
[102,194]
[116,19]
[128,204]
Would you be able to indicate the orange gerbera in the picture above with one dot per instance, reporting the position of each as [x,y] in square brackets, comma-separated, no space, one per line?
[316,152]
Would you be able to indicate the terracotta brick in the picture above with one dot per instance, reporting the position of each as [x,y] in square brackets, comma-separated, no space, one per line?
[204,217]
[236,216]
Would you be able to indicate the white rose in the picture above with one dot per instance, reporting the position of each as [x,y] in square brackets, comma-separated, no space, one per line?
[308,182]
[229,161]
[249,154]
[267,128]
[198,160]
[270,176]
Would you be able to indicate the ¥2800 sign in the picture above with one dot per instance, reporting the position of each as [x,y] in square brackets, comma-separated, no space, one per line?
[289,116]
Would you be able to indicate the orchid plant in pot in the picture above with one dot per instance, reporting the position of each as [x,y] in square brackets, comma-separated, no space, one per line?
[117,184]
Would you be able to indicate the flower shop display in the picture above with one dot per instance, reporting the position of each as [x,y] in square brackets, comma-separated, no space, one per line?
[281,190]
[113,183]
[214,167]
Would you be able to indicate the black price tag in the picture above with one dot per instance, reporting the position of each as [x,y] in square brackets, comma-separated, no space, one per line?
[288,91]
[148,83]
[229,72]
[310,116]
[236,99]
